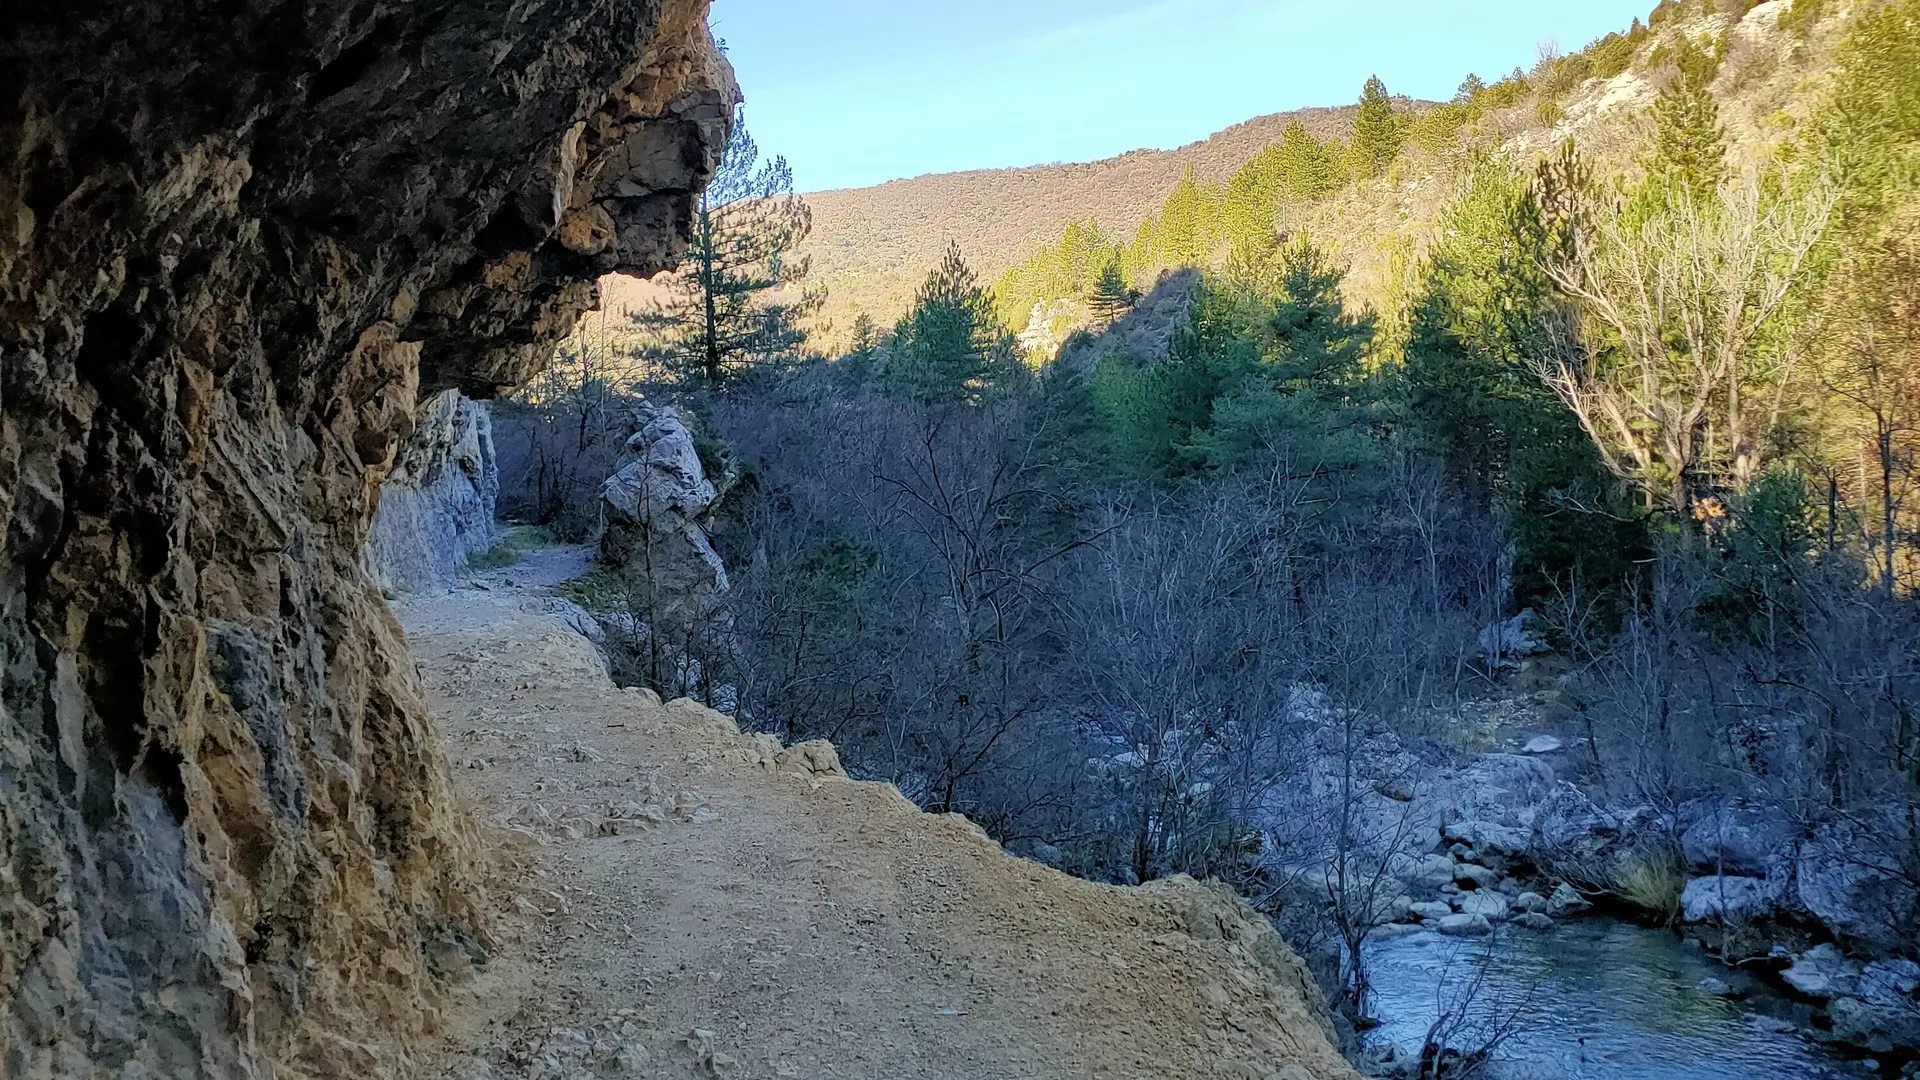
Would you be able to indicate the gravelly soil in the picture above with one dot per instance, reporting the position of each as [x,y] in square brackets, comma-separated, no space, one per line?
[679,900]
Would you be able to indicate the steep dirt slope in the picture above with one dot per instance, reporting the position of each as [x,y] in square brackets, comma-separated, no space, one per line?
[688,901]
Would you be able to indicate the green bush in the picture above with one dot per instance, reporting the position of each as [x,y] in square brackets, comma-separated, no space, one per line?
[494,558]
[599,590]
[1802,17]
[530,538]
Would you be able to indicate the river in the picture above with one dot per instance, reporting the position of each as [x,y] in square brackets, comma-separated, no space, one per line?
[1602,1000]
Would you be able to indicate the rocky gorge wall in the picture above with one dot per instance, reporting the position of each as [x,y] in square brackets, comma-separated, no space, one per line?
[437,503]
[239,245]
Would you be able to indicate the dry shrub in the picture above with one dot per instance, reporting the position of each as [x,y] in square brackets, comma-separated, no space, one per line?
[1651,880]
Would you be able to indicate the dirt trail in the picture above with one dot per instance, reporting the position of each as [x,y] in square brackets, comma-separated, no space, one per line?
[685,901]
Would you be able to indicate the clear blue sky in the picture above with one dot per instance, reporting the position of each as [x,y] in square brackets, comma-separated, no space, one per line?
[856,92]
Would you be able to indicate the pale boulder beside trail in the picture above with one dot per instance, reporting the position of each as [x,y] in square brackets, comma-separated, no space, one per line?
[654,507]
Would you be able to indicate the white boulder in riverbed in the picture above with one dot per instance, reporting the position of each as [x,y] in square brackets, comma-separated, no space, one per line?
[1726,897]
[1431,911]
[1528,902]
[1823,972]
[1424,875]
[1837,882]
[1891,982]
[1488,837]
[1544,744]
[1480,876]
[1465,925]
[1487,903]
[1727,838]
[1877,1027]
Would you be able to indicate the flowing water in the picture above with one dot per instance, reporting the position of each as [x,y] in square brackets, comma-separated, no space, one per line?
[1596,1000]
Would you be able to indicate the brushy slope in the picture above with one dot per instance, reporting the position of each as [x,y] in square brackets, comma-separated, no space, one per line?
[871,246]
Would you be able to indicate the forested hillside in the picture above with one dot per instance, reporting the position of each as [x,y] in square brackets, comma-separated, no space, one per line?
[870,245]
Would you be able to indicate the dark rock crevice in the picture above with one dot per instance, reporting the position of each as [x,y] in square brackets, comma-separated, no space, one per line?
[238,245]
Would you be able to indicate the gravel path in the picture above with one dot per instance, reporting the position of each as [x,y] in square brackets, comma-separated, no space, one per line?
[679,900]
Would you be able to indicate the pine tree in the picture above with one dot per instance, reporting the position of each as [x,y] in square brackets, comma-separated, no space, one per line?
[1298,169]
[1252,203]
[1111,296]
[732,303]
[1869,132]
[1688,155]
[952,345]
[1474,396]
[863,352]
[1306,398]
[1187,223]
[1144,252]
[1320,344]
[1376,131]
[1068,270]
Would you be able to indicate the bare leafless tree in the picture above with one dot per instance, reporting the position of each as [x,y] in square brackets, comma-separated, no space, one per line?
[1669,354]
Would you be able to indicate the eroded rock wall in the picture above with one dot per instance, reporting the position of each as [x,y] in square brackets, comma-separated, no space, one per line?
[239,244]
[437,503]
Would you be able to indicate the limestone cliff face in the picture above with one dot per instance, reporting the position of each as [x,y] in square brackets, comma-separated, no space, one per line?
[437,503]
[239,244]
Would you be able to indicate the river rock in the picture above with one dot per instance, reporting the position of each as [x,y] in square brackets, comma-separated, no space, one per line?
[1488,837]
[1566,900]
[1890,982]
[1499,789]
[1880,1027]
[1480,876]
[1394,930]
[1433,911]
[1719,988]
[1398,788]
[1485,903]
[1465,925]
[1884,1013]
[1823,972]
[1722,898]
[1734,839]
[1534,920]
[1529,902]
[1836,882]
[1544,744]
[1423,875]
